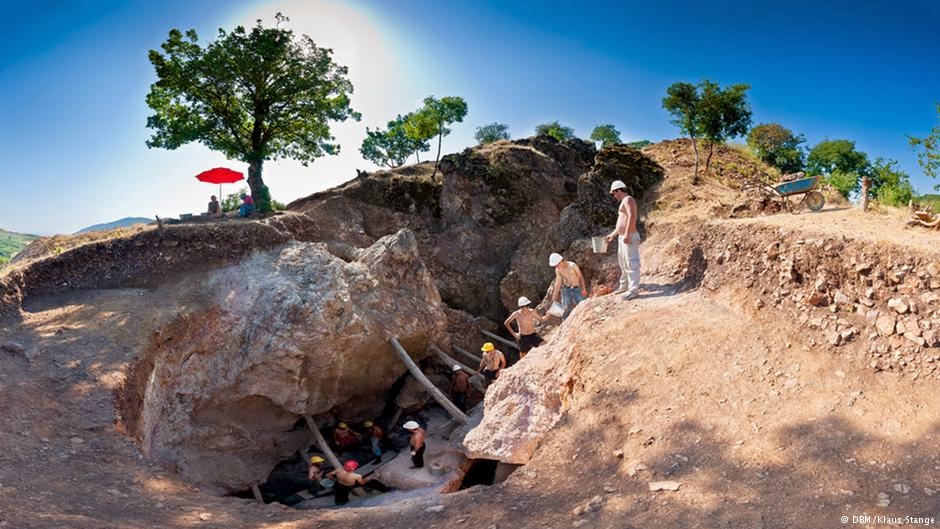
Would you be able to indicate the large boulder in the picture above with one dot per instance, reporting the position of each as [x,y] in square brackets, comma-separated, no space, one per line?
[284,333]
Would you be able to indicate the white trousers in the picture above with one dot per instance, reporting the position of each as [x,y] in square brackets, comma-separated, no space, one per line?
[628,255]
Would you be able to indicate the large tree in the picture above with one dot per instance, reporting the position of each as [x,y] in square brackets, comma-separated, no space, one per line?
[432,119]
[778,146]
[607,134]
[928,148]
[554,129]
[492,132]
[391,147]
[252,95]
[840,163]
[706,110]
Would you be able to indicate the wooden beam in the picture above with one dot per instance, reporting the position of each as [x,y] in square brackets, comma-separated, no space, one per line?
[419,376]
[321,442]
[499,339]
[449,361]
[468,355]
[257,493]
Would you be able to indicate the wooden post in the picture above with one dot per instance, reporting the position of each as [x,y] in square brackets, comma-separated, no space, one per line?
[499,339]
[468,355]
[257,493]
[450,361]
[866,184]
[321,442]
[419,376]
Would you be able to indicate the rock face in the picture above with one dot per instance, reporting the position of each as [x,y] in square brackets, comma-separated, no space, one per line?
[284,333]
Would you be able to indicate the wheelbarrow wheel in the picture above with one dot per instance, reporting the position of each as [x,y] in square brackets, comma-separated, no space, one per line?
[815,200]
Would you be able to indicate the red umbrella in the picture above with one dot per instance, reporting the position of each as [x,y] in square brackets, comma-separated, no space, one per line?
[220,175]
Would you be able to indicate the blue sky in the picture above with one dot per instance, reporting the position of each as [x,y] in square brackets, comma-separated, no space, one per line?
[73,77]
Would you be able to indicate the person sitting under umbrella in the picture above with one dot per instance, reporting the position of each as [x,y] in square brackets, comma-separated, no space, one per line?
[247,207]
[215,209]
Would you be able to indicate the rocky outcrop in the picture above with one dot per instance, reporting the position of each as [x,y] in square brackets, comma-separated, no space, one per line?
[284,333]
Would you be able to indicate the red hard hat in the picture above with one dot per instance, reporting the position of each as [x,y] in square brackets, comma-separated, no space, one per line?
[350,465]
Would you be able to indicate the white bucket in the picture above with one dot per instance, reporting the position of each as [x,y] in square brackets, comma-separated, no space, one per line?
[599,244]
[557,310]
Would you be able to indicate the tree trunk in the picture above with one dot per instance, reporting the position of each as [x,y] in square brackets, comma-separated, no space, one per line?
[432,389]
[695,149]
[866,185]
[321,442]
[259,191]
[437,160]
[418,156]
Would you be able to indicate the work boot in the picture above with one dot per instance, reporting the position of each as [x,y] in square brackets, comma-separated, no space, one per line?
[630,295]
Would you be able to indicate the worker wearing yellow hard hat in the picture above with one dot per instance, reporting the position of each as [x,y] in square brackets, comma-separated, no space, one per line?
[315,472]
[492,362]
[344,437]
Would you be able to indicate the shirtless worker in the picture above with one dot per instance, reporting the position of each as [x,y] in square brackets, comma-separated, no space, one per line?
[315,472]
[347,480]
[569,283]
[492,362]
[628,241]
[459,387]
[375,434]
[525,317]
[417,443]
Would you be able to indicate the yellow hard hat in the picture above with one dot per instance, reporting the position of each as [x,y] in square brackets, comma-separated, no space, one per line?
[367,424]
[488,346]
[317,459]
[342,426]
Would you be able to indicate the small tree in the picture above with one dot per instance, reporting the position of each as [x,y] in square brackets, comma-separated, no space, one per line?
[708,111]
[778,146]
[840,162]
[725,113]
[607,134]
[391,147]
[492,132]
[252,95]
[928,151]
[432,120]
[556,130]
[638,144]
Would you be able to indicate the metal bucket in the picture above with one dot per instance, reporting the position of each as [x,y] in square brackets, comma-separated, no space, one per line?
[599,244]
[557,310]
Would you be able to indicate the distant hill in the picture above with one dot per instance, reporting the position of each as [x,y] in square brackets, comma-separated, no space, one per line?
[122,223]
[11,243]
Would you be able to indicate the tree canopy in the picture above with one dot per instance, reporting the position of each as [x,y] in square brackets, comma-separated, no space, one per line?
[928,150]
[706,110]
[391,147]
[554,129]
[889,184]
[252,95]
[778,146]
[492,132]
[841,163]
[607,134]
[638,144]
[432,119]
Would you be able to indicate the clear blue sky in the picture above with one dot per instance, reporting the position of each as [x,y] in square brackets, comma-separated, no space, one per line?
[73,76]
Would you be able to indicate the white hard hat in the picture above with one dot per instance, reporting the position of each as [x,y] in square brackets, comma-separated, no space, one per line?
[456,368]
[554,259]
[617,184]
[410,425]
[523,301]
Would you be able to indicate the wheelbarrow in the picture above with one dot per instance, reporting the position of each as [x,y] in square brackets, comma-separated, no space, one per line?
[812,199]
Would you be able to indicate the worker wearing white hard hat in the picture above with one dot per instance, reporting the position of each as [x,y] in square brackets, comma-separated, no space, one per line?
[526,318]
[417,443]
[569,286]
[628,240]
[459,387]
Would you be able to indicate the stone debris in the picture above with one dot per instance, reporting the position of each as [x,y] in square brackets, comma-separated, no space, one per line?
[903,488]
[664,485]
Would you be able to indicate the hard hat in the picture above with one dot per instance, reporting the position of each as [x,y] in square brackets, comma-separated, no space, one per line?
[456,368]
[617,184]
[317,459]
[554,259]
[342,426]
[351,465]
[487,347]
[411,425]
[523,301]
[367,424]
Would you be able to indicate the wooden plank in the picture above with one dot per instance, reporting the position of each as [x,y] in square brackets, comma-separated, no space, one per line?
[321,442]
[441,399]
[257,494]
[499,339]
[468,355]
[449,361]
